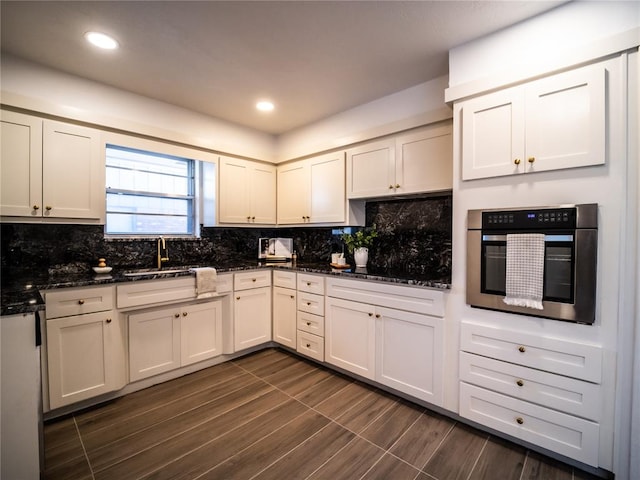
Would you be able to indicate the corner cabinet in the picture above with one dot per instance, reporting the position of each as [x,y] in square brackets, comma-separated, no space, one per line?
[247,192]
[85,344]
[41,159]
[391,334]
[312,190]
[548,124]
[419,161]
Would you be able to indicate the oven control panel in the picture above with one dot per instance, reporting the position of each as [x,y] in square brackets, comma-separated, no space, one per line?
[559,218]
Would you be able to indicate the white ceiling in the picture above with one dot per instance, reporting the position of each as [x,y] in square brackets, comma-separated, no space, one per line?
[313,59]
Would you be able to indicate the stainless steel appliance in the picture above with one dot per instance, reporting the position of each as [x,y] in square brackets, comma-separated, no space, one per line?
[275,249]
[570,255]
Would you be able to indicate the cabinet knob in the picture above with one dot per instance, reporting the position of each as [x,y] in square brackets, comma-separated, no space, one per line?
[293,296]
[308,345]
[81,302]
[254,279]
[108,320]
[177,315]
[184,314]
[377,315]
[253,218]
[390,187]
[308,304]
[520,420]
[36,207]
[397,185]
[371,314]
[516,161]
[308,324]
[520,383]
[521,349]
[531,159]
[248,218]
[48,207]
[308,284]
[237,298]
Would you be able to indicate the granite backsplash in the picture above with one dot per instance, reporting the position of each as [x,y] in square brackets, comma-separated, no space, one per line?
[414,237]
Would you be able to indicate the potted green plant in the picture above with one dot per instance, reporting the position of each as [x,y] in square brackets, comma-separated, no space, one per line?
[358,244]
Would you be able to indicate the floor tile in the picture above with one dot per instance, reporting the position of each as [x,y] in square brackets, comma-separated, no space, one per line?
[390,467]
[352,462]
[391,424]
[499,459]
[457,454]
[538,467]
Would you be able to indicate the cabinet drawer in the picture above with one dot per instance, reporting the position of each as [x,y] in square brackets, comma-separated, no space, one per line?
[411,299]
[159,291]
[555,355]
[310,303]
[67,302]
[252,279]
[554,391]
[311,283]
[311,345]
[311,323]
[224,283]
[284,279]
[561,433]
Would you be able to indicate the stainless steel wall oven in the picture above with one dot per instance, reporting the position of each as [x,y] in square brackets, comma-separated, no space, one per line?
[569,234]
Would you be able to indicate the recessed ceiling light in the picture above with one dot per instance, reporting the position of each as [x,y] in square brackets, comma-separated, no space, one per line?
[101,40]
[265,106]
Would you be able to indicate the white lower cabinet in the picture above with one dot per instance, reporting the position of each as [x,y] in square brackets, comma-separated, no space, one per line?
[167,338]
[409,353]
[252,317]
[284,316]
[389,339]
[86,357]
[543,390]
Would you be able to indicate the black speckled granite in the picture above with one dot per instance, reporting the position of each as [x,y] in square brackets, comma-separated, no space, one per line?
[414,245]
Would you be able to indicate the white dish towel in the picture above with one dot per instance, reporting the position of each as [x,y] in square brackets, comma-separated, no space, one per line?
[525,270]
[206,280]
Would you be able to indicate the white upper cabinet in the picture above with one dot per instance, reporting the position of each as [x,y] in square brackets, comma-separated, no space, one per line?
[414,162]
[247,192]
[549,124]
[51,169]
[312,190]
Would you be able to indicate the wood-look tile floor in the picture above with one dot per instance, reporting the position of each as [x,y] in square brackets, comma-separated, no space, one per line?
[273,415]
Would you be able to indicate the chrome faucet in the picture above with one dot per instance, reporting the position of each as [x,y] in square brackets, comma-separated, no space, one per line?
[163,252]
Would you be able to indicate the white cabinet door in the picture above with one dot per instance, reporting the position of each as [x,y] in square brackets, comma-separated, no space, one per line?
[85,357]
[154,342]
[350,336]
[73,172]
[252,317]
[263,193]
[549,124]
[409,353]
[247,192]
[284,316]
[565,120]
[20,165]
[293,193]
[327,188]
[493,135]
[371,169]
[424,160]
[200,332]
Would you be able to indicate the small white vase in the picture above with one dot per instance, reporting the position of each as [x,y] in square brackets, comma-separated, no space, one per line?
[361,256]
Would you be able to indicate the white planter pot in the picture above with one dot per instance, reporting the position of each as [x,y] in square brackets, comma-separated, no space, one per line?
[361,256]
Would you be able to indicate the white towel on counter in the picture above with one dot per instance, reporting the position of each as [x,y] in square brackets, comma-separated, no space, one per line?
[525,270]
[206,280]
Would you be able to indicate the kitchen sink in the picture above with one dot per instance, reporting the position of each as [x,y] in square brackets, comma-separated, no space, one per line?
[149,273]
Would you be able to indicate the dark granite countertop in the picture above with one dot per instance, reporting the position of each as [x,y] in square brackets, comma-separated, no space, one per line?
[20,289]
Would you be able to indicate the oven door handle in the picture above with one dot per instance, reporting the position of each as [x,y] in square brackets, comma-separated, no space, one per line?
[547,238]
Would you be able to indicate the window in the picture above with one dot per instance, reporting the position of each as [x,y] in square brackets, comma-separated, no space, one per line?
[149,193]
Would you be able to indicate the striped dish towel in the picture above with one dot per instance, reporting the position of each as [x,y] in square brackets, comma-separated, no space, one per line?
[525,270]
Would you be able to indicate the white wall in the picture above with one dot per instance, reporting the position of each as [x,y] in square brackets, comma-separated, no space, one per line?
[34,87]
[413,107]
[567,35]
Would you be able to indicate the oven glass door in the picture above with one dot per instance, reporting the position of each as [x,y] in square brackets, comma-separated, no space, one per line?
[559,267]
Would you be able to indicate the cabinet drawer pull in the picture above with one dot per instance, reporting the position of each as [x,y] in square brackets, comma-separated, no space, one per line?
[308,324]
[108,320]
[36,207]
[371,314]
[521,349]
[293,296]
[48,208]
[253,218]
[308,345]
[390,187]
[308,304]
[254,279]
[520,420]
[516,161]
[531,159]
[81,302]
[377,315]
[177,315]
[184,314]
[520,383]
[308,284]
[397,185]
[248,218]
[237,298]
